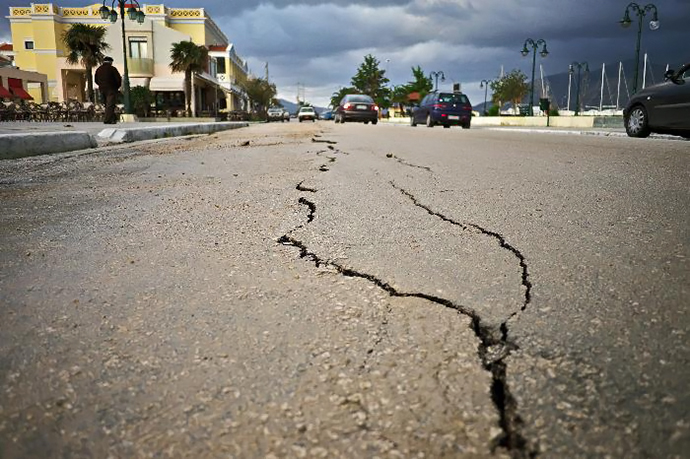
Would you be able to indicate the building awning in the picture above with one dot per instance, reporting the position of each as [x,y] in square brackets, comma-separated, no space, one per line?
[17,89]
[5,93]
[166,84]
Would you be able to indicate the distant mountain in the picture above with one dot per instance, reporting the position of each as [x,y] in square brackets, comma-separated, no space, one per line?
[556,86]
[292,107]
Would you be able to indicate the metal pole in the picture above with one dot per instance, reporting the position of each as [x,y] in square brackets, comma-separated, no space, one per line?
[570,81]
[128,107]
[531,96]
[486,89]
[577,100]
[637,50]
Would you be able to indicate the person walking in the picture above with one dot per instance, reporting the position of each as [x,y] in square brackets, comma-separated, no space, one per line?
[108,80]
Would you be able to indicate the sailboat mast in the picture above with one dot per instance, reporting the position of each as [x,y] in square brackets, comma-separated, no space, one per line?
[618,92]
[601,95]
[644,72]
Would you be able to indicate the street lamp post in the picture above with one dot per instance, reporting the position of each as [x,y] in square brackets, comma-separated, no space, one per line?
[641,11]
[543,53]
[485,84]
[134,14]
[436,75]
[580,66]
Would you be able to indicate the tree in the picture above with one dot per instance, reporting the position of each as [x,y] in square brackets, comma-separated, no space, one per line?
[337,96]
[512,87]
[421,84]
[260,92]
[372,81]
[189,58]
[85,45]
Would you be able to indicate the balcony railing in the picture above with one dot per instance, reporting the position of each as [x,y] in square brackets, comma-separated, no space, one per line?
[140,66]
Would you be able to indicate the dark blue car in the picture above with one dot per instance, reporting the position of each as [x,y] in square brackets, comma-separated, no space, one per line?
[444,108]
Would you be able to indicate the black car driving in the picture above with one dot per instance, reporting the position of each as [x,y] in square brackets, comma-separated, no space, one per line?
[444,108]
[663,108]
[357,107]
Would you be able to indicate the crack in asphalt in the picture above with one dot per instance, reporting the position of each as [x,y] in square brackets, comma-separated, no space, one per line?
[501,241]
[301,187]
[330,142]
[402,161]
[493,347]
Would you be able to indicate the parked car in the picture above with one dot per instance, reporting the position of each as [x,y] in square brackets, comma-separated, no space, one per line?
[286,115]
[327,115]
[277,114]
[663,108]
[357,107]
[306,113]
[444,108]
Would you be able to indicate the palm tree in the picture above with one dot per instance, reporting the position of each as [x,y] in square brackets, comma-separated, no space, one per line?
[189,58]
[260,92]
[85,44]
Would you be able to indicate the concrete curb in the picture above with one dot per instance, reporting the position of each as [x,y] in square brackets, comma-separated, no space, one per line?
[122,135]
[41,143]
[580,132]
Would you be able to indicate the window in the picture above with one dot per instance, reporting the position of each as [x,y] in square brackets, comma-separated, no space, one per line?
[138,48]
[28,44]
[453,98]
[221,64]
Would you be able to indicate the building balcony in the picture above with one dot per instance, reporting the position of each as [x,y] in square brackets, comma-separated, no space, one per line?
[140,67]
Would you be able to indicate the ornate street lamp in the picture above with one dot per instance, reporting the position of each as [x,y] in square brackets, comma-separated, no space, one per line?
[580,66]
[543,53]
[653,25]
[135,14]
[485,84]
[436,75]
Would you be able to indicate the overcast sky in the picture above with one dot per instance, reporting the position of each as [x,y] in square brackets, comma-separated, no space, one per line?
[320,44]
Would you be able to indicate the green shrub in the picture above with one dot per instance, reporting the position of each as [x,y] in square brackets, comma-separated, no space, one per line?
[141,99]
[493,110]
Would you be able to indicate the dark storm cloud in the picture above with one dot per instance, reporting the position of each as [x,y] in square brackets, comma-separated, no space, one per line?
[320,43]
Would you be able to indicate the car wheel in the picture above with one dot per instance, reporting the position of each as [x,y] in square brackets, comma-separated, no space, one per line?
[413,122]
[466,126]
[374,122]
[429,123]
[366,122]
[446,126]
[637,122]
[300,120]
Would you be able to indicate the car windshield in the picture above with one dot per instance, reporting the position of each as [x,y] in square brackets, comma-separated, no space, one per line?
[359,98]
[306,109]
[453,98]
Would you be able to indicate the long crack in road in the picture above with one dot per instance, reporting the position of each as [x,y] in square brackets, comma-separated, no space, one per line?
[495,344]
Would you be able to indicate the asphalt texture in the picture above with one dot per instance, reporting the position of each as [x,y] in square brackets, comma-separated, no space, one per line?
[323,290]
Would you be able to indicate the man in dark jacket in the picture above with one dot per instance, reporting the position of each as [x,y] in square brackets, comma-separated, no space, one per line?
[109,80]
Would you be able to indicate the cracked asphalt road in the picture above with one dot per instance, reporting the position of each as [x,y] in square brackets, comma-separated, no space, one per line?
[347,291]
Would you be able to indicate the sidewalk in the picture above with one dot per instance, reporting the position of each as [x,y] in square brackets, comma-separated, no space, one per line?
[25,138]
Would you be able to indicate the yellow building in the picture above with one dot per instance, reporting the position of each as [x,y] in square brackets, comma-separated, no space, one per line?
[37,41]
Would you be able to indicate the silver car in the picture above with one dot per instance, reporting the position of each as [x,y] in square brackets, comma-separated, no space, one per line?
[277,114]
